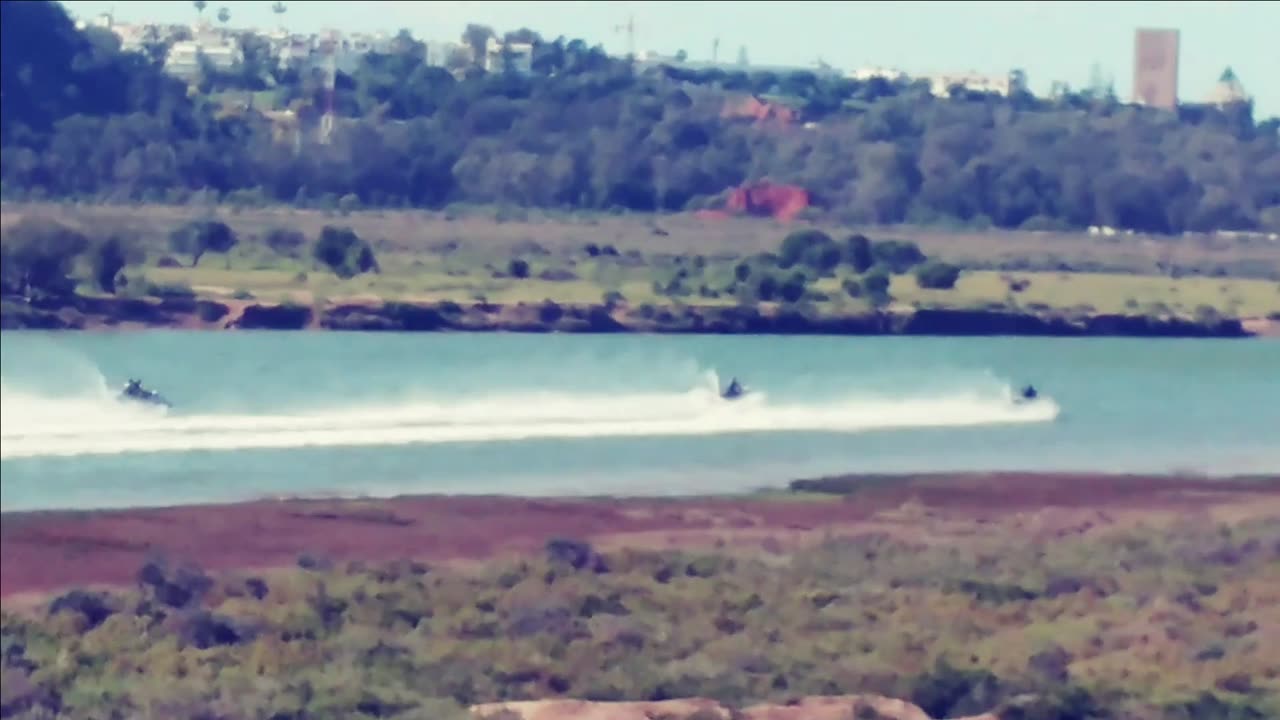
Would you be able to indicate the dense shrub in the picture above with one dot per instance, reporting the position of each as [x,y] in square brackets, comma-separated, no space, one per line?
[344,252]
[935,275]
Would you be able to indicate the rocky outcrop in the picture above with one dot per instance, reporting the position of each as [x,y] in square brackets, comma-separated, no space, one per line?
[273,317]
[809,708]
[81,312]
[551,317]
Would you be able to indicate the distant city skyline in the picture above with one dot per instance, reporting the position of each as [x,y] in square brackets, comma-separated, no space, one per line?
[1051,41]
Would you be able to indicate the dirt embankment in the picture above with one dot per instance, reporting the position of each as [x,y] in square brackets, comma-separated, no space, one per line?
[191,313]
[49,551]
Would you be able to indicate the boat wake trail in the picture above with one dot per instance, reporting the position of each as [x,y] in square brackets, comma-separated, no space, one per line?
[97,423]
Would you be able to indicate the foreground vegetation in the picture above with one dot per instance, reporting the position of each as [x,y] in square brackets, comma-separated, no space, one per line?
[1164,622]
[584,131]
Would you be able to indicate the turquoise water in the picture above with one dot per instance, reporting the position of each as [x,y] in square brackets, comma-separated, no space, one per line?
[265,414]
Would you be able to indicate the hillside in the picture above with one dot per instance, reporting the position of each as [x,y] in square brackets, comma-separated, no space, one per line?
[586,132]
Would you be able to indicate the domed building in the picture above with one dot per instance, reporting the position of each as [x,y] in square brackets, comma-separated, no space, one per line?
[1228,90]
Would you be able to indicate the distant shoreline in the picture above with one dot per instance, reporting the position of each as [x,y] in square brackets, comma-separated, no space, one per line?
[190,313]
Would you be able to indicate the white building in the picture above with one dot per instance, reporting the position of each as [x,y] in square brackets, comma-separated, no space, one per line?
[498,54]
[940,85]
[183,59]
[864,74]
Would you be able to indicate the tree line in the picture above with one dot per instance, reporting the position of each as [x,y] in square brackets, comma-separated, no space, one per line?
[45,260]
[583,131]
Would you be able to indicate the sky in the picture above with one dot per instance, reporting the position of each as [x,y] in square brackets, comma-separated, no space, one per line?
[1051,41]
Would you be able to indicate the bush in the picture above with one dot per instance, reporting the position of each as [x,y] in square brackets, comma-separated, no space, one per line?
[344,252]
[803,245]
[1207,315]
[943,691]
[823,258]
[550,312]
[897,255]
[765,287]
[937,275]
[518,269]
[91,605]
[876,286]
[793,288]
[852,288]
[285,241]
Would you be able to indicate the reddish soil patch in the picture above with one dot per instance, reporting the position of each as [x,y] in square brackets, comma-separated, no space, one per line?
[49,551]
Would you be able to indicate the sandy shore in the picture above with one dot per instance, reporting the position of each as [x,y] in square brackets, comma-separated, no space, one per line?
[47,551]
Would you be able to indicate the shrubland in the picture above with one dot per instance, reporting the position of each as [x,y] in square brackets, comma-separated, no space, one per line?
[1161,620]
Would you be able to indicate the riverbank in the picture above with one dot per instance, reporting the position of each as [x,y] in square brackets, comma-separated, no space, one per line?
[50,550]
[85,313]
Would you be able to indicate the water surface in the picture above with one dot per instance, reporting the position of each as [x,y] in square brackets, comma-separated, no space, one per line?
[263,413]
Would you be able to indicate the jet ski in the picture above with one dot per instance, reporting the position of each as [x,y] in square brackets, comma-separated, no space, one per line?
[134,391]
[734,391]
[1027,395]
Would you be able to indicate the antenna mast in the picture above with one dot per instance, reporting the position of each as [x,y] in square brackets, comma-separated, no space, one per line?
[630,29]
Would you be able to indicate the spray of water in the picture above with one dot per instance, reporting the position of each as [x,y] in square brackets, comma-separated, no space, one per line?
[95,421]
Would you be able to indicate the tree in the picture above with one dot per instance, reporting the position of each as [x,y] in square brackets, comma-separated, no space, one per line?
[344,252]
[200,5]
[106,260]
[38,255]
[937,275]
[896,255]
[796,246]
[285,241]
[793,288]
[224,15]
[857,253]
[477,38]
[201,236]
[852,287]
[876,286]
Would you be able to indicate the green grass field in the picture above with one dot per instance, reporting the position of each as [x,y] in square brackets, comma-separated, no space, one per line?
[1106,292]
[463,277]
[462,255]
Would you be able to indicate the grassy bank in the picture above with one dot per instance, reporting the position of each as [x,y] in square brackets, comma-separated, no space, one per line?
[433,279]
[660,261]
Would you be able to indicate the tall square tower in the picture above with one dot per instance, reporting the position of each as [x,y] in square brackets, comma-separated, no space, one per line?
[1155,68]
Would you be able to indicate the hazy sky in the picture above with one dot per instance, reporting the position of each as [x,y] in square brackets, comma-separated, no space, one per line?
[1050,40]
